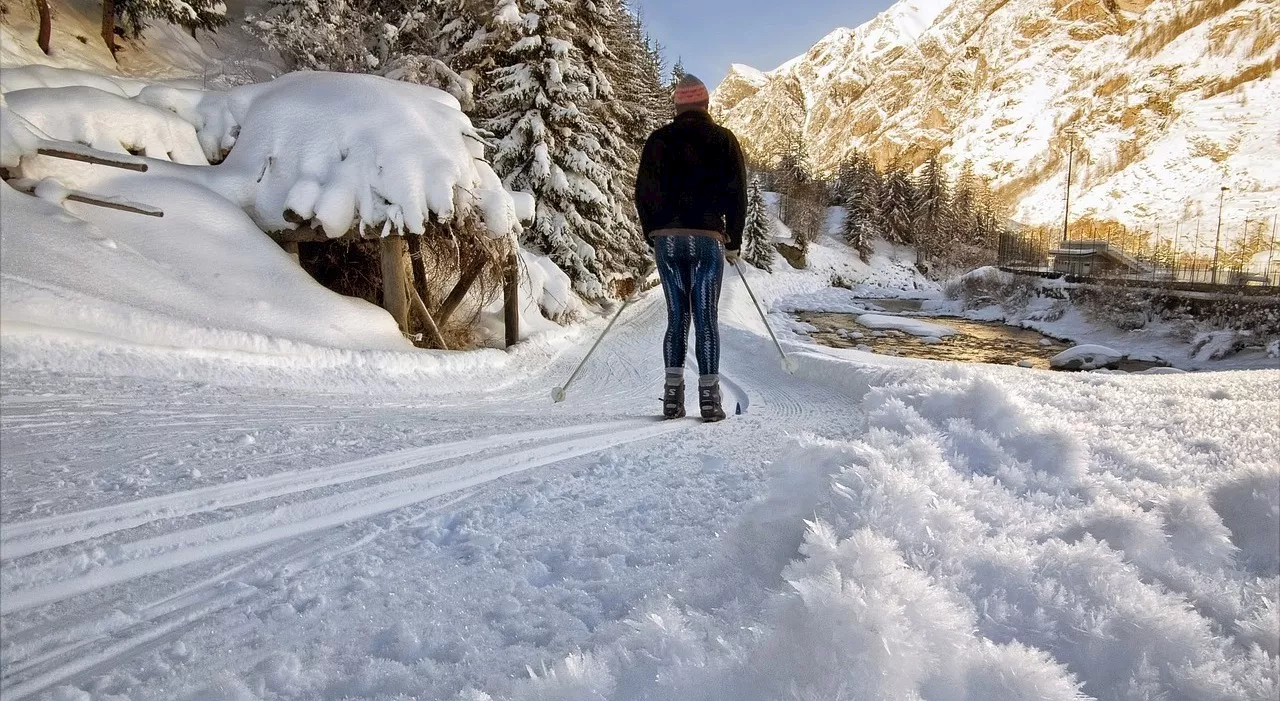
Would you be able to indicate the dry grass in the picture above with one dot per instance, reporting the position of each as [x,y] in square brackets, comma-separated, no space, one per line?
[1248,74]
[1191,15]
[1112,86]
[1204,147]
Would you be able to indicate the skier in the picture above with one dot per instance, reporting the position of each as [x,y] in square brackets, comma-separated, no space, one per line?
[692,197]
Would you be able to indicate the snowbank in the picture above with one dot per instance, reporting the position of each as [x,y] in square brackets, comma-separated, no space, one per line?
[915,327]
[982,539]
[202,277]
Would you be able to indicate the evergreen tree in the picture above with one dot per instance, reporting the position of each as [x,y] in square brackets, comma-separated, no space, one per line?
[191,14]
[934,219]
[862,205]
[542,106]
[757,238]
[898,207]
[678,72]
[964,205]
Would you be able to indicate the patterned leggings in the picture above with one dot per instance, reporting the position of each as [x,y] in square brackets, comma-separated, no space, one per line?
[691,268]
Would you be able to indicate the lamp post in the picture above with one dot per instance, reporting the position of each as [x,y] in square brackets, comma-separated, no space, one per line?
[1218,239]
[1071,153]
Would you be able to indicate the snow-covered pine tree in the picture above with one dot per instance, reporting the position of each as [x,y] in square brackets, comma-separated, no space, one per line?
[935,230]
[540,105]
[964,204]
[861,205]
[678,72]
[323,35]
[898,207]
[192,14]
[757,239]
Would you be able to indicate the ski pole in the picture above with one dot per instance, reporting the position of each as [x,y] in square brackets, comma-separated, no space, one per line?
[558,393]
[787,363]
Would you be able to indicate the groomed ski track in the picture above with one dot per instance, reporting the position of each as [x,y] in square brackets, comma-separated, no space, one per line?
[194,504]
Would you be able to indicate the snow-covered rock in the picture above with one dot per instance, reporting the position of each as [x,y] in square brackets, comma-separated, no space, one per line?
[915,327]
[1085,357]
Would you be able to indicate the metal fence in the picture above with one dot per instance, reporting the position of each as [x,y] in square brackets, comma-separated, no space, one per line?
[1106,261]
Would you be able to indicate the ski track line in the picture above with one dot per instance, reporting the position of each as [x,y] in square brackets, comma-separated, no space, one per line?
[184,609]
[28,537]
[64,578]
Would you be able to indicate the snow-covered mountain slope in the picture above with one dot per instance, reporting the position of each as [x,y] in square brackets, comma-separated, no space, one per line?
[1170,100]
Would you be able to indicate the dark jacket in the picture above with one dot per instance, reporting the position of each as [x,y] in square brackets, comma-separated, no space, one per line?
[692,176]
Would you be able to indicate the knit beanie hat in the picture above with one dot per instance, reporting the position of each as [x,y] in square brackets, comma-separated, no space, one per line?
[691,93]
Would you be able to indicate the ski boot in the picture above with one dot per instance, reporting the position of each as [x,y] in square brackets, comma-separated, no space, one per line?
[673,401]
[709,402]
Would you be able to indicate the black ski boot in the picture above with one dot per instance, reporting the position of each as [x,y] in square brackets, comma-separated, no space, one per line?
[673,401]
[709,402]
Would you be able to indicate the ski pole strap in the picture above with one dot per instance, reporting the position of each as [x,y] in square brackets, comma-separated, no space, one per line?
[760,311]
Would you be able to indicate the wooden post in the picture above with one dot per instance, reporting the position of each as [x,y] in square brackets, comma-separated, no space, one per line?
[46,25]
[433,331]
[511,299]
[394,283]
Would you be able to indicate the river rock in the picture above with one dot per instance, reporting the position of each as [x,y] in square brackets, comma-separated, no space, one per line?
[931,340]
[1086,357]
[1026,363]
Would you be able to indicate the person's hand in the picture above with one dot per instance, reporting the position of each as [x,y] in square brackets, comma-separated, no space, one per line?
[731,257]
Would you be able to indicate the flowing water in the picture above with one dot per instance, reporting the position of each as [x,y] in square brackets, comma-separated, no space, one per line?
[975,341]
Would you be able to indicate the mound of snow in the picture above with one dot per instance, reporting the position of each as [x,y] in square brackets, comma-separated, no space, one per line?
[108,122]
[915,327]
[1085,357]
[203,277]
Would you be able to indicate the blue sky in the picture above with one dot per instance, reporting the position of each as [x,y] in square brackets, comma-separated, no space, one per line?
[711,34]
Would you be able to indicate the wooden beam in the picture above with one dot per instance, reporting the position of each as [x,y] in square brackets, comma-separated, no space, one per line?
[433,331]
[466,281]
[511,299]
[302,234]
[86,156]
[419,269]
[28,186]
[395,287]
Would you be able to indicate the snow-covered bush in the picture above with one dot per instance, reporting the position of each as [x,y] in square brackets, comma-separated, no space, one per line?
[988,286]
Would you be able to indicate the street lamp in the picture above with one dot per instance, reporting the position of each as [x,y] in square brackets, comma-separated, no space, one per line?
[1071,153]
[1218,239]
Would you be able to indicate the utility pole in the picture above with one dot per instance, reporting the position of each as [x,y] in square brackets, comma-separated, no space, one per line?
[1173,266]
[1071,153]
[1271,252]
[1218,239]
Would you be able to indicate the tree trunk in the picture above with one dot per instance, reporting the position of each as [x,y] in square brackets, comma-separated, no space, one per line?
[395,287]
[46,25]
[511,300]
[109,25]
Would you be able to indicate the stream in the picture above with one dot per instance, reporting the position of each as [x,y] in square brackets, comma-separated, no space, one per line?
[989,342]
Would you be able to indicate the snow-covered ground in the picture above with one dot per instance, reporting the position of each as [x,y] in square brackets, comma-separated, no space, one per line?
[183,525]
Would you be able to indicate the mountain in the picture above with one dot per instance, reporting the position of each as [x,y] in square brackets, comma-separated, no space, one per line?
[1170,101]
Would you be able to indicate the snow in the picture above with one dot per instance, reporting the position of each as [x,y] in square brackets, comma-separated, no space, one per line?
[1085,357]
[108,123]
[915,327]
